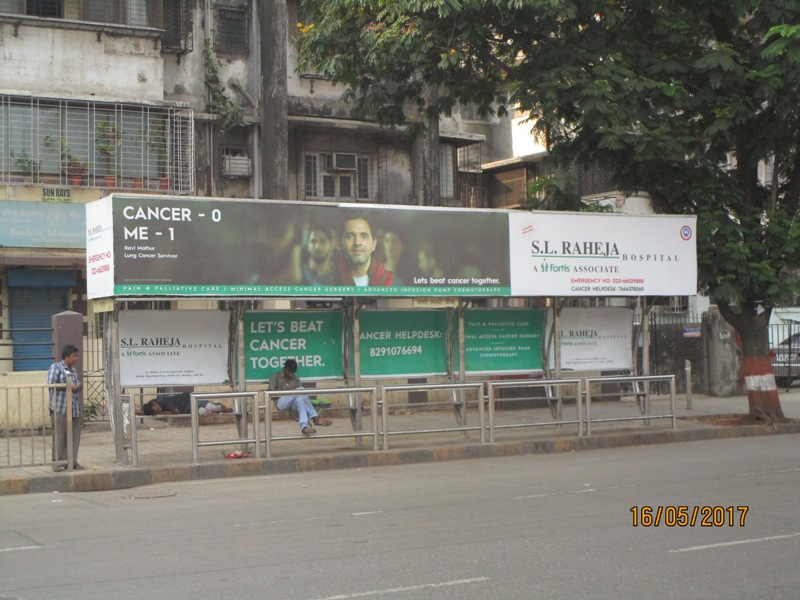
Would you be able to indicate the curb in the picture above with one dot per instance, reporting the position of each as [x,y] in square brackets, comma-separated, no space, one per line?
[127,477]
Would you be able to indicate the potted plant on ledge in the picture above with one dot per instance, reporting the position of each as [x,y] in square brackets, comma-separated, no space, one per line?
[76,170]
[26,166]
[108,137]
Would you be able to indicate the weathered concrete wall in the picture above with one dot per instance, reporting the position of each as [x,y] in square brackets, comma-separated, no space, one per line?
[24,400]
[75,64]
[722,355]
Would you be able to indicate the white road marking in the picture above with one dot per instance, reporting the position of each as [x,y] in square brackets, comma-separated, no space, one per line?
[736,543]
[409,588]
[547,495]
[19,548]
[311,518]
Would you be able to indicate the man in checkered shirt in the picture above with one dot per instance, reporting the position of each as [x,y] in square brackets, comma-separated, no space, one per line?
[64,372]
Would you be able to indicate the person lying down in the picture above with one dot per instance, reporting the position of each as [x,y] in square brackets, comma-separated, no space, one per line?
[180,404]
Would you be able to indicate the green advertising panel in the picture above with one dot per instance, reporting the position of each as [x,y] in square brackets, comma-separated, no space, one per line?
[503,341]
[312,338]
[403,342]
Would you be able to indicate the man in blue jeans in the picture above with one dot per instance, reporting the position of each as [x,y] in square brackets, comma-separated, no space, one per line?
[64,373]
[285,380]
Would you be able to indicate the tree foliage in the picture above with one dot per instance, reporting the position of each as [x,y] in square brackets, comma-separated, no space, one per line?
[683,99]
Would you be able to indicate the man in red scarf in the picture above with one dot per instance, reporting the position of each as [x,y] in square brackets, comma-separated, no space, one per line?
[357,266]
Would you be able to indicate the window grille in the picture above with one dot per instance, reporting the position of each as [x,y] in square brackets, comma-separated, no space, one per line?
[678,304]
[232,32]
[336,178]
[97,145]
[129,13]
[447,179]
[177,27]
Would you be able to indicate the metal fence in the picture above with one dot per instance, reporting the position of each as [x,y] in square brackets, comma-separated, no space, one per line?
[25,427]
[674,339]
[784,339]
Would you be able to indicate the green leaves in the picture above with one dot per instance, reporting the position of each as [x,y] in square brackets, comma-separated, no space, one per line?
[687,100]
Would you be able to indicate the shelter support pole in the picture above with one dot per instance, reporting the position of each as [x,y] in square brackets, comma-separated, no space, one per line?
[646,356]
[355,399]
[115,398]
[557,352]
[240,378]
[460,407]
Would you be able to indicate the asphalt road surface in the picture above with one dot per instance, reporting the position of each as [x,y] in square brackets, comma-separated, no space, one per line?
[529,527]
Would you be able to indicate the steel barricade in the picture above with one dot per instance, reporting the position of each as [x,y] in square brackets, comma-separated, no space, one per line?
[269,395]
[644,407]
[26,439]
[460,407]
[196,443]
[558,383]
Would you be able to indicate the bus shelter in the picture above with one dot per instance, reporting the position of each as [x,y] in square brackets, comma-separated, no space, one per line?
[222,256]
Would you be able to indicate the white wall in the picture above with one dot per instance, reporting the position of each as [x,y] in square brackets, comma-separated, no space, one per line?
[41,61]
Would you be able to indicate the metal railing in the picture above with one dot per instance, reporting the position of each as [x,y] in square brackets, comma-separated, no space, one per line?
[242,399]
[460,406]
[31,444]
[642,399]
[554,401]
[355,408]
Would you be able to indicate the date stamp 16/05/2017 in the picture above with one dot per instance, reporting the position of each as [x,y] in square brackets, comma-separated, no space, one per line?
[689,516]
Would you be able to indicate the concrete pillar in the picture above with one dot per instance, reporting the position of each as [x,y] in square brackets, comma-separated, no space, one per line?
[68,329]
[274,137]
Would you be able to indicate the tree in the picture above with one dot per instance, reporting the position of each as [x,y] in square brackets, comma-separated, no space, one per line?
[686,100]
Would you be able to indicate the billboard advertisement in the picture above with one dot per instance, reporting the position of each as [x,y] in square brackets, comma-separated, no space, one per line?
[411,343]
[312,338]
[502,341]
[595,339]
[171,347]
[174,246]
[597,254]
[214,247]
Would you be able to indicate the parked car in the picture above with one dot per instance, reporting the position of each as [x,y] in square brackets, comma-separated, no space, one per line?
[786,360]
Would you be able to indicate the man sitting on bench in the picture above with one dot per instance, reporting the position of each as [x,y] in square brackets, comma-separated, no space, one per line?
[284,380]
[180,404]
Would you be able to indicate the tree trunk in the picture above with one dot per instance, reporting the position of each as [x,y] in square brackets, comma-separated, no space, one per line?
[752,323]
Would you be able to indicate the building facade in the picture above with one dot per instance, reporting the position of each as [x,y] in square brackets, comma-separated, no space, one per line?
[182,97]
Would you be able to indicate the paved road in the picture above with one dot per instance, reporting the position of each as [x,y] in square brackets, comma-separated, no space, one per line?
[543,526]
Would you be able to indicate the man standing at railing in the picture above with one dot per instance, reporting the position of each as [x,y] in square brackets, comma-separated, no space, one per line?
[64,372]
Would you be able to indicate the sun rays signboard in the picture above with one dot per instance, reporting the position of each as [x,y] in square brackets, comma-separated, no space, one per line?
[174,246]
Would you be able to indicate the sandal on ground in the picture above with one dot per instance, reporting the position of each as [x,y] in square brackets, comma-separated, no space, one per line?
[308,431]
[322,421]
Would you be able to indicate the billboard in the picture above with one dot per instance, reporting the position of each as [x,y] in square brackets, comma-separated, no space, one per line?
[174,246]
[502,341]
[598,254]
[595,339]
[171,347]
[312,338]
[411,343]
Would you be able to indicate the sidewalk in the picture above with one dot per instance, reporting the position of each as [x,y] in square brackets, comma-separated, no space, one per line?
[165,450]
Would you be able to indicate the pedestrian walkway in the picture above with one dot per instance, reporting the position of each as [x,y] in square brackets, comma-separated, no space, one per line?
[165,450]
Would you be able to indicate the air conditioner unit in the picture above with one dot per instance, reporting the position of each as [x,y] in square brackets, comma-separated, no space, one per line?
[237,166]
[340,161]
